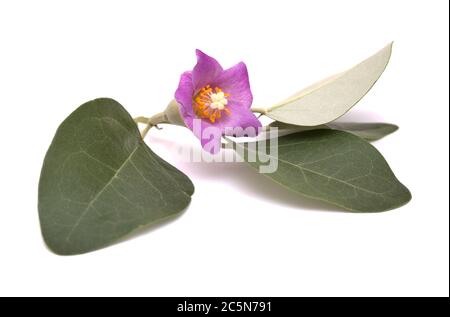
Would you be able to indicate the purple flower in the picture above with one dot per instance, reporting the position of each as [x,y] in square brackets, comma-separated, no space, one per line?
[215,102]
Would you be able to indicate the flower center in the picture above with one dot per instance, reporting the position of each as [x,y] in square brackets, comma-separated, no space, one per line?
[209,103]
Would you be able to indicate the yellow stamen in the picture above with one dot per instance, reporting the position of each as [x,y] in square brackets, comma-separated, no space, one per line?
[209,103]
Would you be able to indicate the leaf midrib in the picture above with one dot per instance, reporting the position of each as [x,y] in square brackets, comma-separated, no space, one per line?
[89,205]
[301,167]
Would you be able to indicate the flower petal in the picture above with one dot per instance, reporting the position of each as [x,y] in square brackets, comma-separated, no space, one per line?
[210,135]
[183,96]
[243,124]
[206,70]
[235,82]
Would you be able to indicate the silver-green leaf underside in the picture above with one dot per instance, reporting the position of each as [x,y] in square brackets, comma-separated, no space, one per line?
[368,131]
[336,167]
[333,97]
[100,181]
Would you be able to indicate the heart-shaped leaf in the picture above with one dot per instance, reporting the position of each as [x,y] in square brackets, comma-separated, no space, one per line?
[331,98]
[333,166]
[367,131]
[100,181]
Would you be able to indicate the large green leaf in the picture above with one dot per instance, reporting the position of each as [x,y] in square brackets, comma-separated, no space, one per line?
[332,166]
[332,97]
[367,131]
[100,181]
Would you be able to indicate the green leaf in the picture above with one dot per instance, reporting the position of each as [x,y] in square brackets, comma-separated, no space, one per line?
[332,97]
[367,131]
[100,181]
[333,166]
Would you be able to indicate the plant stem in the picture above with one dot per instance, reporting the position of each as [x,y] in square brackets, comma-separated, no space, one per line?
[262,111]
[151,122]
[141,120]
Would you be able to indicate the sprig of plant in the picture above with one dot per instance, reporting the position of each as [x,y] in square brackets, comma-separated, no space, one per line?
[100,181]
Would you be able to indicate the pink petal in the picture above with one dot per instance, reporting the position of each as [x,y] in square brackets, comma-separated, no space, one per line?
[183,96]
[235,81]
[206,70]
[209,134]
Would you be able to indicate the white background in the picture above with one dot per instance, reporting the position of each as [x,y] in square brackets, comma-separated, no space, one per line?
[241,235]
